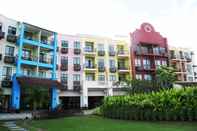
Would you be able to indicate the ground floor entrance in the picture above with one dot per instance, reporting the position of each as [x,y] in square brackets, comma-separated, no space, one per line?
[95,101]
[70,102]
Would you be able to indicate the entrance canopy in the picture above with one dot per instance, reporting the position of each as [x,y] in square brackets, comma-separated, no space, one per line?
[39,82]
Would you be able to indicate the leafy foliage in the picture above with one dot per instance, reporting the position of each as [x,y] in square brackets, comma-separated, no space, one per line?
[169,104]
[166,76]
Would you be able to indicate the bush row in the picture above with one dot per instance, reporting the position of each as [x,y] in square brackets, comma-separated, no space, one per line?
[172,104]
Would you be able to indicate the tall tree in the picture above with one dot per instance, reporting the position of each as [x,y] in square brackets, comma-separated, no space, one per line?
[166,76]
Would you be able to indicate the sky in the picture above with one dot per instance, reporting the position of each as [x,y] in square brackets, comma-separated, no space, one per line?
[174,19]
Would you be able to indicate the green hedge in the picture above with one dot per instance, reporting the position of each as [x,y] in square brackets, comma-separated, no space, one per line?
[173,104]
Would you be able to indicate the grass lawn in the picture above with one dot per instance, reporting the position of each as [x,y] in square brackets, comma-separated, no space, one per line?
[2,128]
[95,123]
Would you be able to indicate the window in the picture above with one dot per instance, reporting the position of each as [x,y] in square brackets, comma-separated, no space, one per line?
[100,47]
[9,51]
[101,63]
[164,63]
[162,50]
[157,63]
[64,44]
[190,78]
[7,71]
[76,60]
[76,77]
[76,45]
[111,48]
[112,77]
[147,77]
[101,77]
[146,63]
[138,76]
[1,26]
[156,50]
[189,69]
[64,60]
[137,62]
[42,74]
[112,63]
[11,30]
[89,63]
[26,54]
[89,47]
[64,77]
[90,77]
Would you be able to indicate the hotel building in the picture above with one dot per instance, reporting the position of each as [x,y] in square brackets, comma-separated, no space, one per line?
[78,71]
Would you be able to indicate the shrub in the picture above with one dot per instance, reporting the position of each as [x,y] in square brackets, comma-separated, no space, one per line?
[172,104]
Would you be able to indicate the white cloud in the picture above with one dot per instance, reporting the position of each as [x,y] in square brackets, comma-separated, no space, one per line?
[175,19]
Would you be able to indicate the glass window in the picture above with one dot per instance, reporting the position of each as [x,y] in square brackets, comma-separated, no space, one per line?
[0,26]
[89,47]
[147,77]
[64,77]
[11,30]
[76,60]
[42,74]
[157,63]
[162,50]
[26,54]
[101,77]
[111,48]
[146,63]
[112,77]
[164,63]
[101,63]
[9,51]
[76,77]
[190,78]
[7,71]
[64,60]
[76,45]
[138,76]
[89,63]
[64,44]
[112,63]
[100,47]
[137,62]
[156,50]
[90,77]
[189,69]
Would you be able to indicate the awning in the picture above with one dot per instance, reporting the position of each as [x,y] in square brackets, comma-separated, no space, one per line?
[39,82]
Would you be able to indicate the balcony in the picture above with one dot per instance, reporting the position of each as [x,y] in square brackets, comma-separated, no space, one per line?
[91,68]
[2,34]
[65,84]
[64,67]
[6,82]
[138,68]
[101,53]
[45,61]
[189,59]
[112,53]
[90,52]
[77,51]
[76,85]
[9,59]
[123,53]
[30,58]
[11,38]
[64,50]
[101,69]
[77,67]
[172,57]
[123,69]
[112,69]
